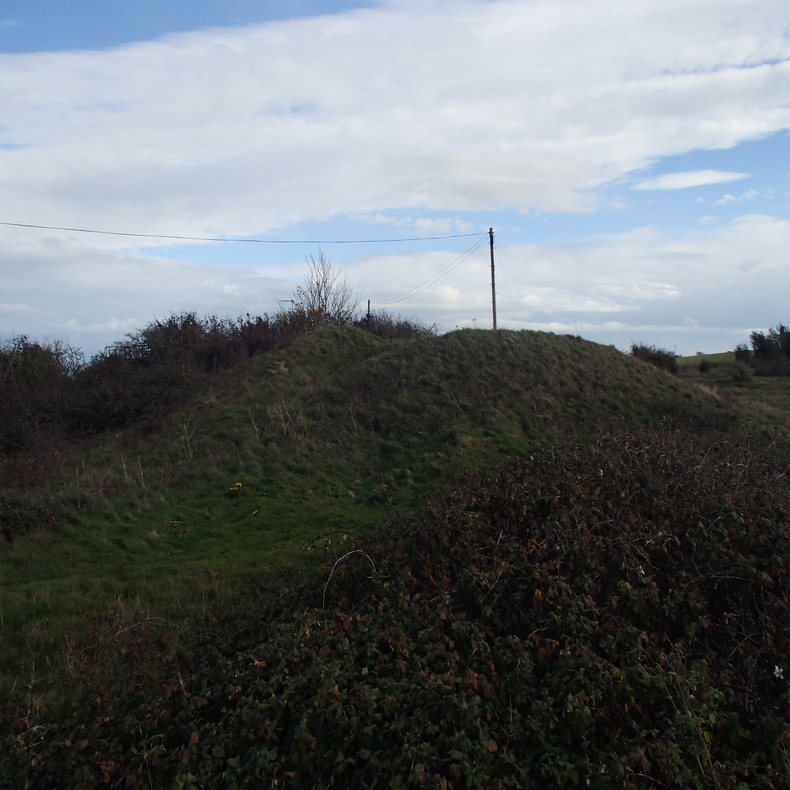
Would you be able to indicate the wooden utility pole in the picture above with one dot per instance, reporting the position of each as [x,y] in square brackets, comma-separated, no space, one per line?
[493,284]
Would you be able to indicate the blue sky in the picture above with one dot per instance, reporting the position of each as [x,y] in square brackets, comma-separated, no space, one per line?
[633,159]
[52,26]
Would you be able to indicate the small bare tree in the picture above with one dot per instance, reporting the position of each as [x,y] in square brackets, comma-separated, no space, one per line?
[325,297]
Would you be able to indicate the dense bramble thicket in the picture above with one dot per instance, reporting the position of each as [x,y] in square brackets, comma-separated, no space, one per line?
[614,615]
[50,393]
[657,357]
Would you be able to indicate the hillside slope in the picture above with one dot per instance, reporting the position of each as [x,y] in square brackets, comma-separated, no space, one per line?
[614,614]
[301,447]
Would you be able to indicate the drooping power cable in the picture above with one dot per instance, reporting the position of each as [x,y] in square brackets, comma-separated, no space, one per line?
[439,275]
[234,240]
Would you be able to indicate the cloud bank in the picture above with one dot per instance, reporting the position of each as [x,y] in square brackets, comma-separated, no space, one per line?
[458,106]
[452,107]
[702,291]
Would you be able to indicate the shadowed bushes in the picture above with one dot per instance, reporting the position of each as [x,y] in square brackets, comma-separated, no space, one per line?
[607,615]
[386,325]
[771,352]
[657,357]
[51,394]
[163,365]
[36,380]
[773,345]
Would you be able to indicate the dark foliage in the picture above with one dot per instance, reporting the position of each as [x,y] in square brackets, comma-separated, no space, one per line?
[773,345]
[606,616]
[36,379]
[50,394]
[742,371]
[163,365]
[743,354]
[390,327]
[21,513]
[658,357]
[771,352]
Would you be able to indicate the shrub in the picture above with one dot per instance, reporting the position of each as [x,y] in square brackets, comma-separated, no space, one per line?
[658,357]
[742,354]
[770,351]
[21,513]
[773,345]
[763,346]
[49,393]
[36,379]
[614,613]
[386,325]
[325,297]
[164,364]
[741,371]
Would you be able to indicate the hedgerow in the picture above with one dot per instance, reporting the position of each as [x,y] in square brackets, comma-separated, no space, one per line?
[614,615]
[657,357]
[52,396]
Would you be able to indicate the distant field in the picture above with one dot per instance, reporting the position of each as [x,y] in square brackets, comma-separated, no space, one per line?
[763,400]
[721,357]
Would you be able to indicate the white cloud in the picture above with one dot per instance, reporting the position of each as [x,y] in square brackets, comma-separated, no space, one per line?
[699,291]
[691,178]
[464,105]
[407,114]
[91,298]
[377,219]
[420,225]
[727,199]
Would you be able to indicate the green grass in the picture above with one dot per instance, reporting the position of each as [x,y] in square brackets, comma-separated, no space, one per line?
[328,438]
[609,613]
[721,358]
[763,401]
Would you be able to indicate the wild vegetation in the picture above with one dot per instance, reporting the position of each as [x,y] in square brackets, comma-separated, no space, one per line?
[658,357]
[613,614]
[769,354]
[51,395]
[364,555]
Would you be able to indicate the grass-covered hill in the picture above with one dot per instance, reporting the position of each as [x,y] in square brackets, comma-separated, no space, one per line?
[149,572]
[326,436]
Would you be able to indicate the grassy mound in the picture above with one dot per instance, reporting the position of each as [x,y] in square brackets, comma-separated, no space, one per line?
[330,435]
[614,614]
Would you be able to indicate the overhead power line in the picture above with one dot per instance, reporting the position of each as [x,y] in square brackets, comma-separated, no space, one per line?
[454,264]
[238,241]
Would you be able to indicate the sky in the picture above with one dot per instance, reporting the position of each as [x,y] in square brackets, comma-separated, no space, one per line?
[632,157]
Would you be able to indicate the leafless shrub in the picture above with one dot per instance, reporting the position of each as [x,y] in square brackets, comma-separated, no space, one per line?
[325,297]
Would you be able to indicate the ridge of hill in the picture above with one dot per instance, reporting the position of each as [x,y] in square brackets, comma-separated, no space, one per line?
[254,479]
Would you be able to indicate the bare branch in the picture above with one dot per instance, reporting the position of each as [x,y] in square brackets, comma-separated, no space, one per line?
[325,296]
